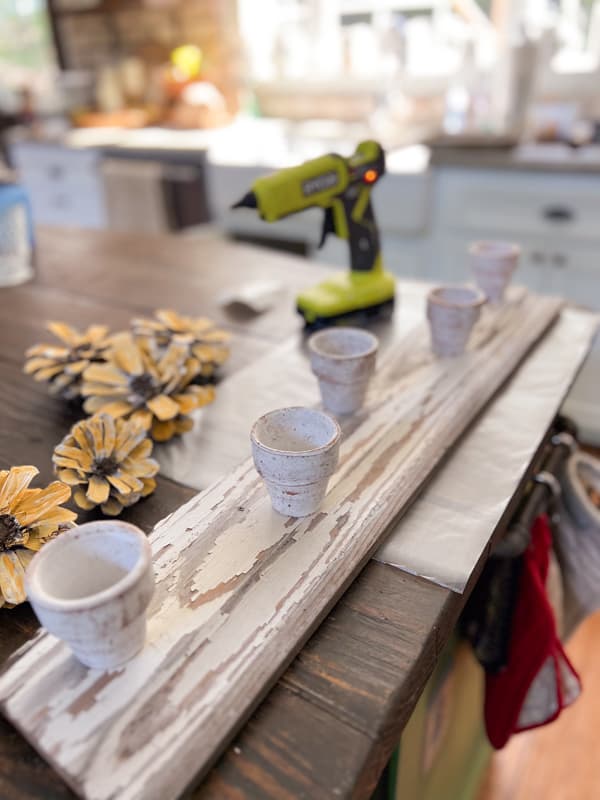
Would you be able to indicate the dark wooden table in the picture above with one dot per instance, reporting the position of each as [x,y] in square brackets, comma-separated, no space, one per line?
[328,727]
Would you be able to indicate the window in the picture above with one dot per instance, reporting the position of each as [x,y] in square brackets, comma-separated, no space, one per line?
[26,51]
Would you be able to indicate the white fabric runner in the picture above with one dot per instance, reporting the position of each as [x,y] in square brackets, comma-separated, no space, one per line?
[445,531]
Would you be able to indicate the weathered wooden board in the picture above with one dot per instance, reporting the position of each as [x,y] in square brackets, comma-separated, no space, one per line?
[280,377]
[239,588]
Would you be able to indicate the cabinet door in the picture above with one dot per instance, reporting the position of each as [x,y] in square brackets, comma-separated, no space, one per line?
[515,203]
[64,185]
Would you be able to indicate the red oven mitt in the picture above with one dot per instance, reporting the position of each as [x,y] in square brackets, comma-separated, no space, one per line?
[539,680]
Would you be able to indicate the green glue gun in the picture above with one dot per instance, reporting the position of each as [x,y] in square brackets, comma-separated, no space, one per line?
[342,187]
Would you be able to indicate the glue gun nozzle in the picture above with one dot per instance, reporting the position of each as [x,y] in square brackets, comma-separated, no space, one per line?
[247,201]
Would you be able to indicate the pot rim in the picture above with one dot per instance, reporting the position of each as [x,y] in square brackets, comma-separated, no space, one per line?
[494,249]
[478,298]
[37,595]
[335,438]
[316,338]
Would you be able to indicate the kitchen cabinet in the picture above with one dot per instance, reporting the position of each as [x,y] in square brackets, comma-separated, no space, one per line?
[64,184]
[553,217]
[556,220]
[140,189]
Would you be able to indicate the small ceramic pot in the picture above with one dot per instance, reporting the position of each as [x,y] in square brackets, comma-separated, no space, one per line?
[296,451]
[343,359]
[493,264]
[582,471]
[91,587]
[452,312]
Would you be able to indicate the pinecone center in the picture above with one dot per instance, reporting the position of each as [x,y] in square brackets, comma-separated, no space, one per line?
[104,466]
[143,386]
[11,533]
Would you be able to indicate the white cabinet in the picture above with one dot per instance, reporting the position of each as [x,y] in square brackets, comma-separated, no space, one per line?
[64,184]
[556,220]
[554,217]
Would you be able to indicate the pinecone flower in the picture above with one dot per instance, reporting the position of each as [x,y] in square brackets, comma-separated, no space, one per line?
[107,463]
[153,389]
[61,366]
[207,343]
[28,519]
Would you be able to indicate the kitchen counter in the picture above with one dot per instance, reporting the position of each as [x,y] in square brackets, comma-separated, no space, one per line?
[547,158]
[330,724]
[429,206]
[277,143]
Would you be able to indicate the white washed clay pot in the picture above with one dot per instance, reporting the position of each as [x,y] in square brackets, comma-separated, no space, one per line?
[91,587]
[581,469]
[343,359]
[452,312]
[493,264]
[296,451]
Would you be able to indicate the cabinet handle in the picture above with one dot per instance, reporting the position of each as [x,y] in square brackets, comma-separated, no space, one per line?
[558,214]
[56,172]
[537,257]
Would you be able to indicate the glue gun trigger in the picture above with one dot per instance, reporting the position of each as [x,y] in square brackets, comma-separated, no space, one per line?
[328,226]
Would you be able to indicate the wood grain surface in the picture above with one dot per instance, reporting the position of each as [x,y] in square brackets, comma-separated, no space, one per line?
[328,727]
[239,588]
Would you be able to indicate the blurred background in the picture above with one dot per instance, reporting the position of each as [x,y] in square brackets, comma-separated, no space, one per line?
[155,115]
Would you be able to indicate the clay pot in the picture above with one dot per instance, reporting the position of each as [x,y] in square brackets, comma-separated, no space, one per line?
[91,587]
[582,469]
[493,264]
[343,359]
[296,451]
[452,312]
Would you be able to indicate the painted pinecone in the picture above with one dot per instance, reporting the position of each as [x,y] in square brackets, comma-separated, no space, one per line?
[28,519]
[62,365]
[154,389]
[107,462]
[207,343]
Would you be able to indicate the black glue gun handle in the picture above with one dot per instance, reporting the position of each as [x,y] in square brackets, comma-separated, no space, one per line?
[363,237]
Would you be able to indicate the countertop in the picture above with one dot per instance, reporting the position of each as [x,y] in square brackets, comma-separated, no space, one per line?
[332,721]
[531,157]
[276,143]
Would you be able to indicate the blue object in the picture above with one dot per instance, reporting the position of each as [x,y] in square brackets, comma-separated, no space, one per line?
[11,194]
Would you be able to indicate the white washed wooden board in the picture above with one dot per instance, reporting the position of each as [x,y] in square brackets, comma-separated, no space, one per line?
[445,531]
[239,588]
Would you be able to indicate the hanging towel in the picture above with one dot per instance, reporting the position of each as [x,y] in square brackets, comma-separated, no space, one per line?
[539,680]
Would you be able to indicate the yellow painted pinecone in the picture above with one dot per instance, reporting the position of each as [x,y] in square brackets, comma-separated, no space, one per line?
[153,389]
[207,343]
[28,519]
[107,462]
[61,366]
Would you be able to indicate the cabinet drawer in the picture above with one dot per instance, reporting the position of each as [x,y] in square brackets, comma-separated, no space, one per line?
[52,158]
[74,199]
[529,203]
